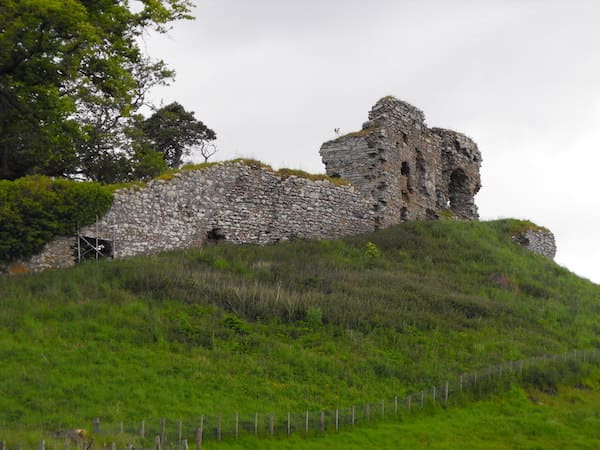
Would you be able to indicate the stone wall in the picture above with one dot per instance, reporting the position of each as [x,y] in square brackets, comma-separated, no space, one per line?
[235,202]
[399,168]
[56,254]
[540,241]
[410,172]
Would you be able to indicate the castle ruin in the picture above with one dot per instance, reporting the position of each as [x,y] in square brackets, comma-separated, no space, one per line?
[409,171]
[398,168]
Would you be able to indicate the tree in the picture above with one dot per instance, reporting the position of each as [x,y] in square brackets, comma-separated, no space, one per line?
[62,61]
[173,131]
[207,150]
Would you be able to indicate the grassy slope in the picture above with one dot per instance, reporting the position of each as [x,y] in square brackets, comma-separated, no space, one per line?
[516,420]
[300,325]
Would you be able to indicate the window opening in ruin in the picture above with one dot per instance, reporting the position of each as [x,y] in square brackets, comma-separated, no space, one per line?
[405,169]
[214,235]
[404,213]
[93,248]
[459,192]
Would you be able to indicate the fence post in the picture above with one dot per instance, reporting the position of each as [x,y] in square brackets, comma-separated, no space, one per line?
[461,383]
[180,431]
[322,419]
[422,399]
[433,395]
[368,411]
[121,427]
[219,427]
[163,431]
[446,393]
[409,403]
[3,445]
[43,445]
[382,409]
[255,424]
[143,429]
[337,420]
[306,423]
[158,443]
[198,438]
[237,425]
[353,416]
[289,423]
[113,446]
[271,424]
[396,405]
[96,425]
[185,444]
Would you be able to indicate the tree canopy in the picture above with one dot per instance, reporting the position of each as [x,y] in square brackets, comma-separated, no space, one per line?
[71,76]
[173,131]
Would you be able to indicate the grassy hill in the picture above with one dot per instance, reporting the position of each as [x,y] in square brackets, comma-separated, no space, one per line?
[294,326]
[518,419]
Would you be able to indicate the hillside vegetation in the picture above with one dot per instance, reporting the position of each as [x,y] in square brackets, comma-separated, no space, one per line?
[293,326]
[517,419]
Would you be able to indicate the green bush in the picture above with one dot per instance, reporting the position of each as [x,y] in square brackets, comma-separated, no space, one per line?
[35,209]
[372,252]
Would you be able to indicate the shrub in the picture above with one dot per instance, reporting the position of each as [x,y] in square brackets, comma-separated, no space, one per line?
[236,324]
[372,252]
[35,209]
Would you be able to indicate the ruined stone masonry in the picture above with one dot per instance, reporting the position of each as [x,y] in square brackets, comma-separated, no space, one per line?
[399,170]
[409,171]
[540,241]
[232,201]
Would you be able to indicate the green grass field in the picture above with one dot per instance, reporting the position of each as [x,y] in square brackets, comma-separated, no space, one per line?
[294,326]
[518,419]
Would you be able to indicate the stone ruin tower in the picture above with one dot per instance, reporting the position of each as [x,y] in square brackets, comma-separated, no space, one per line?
[410,171]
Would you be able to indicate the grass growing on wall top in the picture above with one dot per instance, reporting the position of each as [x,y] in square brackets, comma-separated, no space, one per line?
[283,173]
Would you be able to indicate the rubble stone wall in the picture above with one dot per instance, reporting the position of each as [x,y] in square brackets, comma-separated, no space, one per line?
[540,241]
[235,202]
[399,170]
[410,171]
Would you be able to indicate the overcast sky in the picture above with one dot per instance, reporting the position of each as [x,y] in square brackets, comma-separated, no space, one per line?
[274,78]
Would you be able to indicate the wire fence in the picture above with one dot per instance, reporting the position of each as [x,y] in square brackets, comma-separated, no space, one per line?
[162,434]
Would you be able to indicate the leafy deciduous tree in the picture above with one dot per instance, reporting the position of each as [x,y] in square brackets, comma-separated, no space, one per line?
[173,131]
[63,61]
